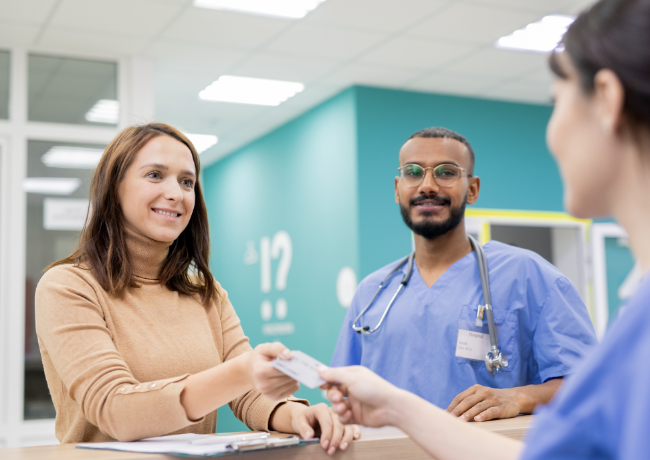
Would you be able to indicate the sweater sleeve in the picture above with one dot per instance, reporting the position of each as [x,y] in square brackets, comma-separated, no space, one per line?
[252,408]
[72,329]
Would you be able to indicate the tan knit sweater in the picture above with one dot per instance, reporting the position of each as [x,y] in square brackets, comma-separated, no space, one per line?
[115,366]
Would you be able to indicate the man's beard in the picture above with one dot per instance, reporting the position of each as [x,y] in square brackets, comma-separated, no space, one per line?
[431,230]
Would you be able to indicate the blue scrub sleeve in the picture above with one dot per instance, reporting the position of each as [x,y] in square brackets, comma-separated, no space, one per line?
[564,334]
[602,411]
[348,345]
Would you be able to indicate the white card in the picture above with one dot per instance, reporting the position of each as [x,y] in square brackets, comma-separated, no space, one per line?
[472,345]
[301,367]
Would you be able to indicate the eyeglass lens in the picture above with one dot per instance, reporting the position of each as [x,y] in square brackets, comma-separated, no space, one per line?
[444,175]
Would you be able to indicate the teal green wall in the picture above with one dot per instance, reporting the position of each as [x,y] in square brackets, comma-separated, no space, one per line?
[326,178]
[299,179]
[515,167]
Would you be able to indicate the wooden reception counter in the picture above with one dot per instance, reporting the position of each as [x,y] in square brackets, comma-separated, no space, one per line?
[381,443]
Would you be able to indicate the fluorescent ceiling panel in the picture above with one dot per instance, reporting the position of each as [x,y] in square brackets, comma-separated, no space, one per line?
[202,142]
[292,9]
[245,90]
[72,157]
[104,111]
[51,185]
[541,36]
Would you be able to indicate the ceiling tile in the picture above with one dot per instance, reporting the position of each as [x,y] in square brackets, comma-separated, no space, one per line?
[319,41]
[500,63]
[25,11]
[364,74]
[384,16]
[579,6]
[447,82]
[181,109]
[416,53]
[17,35]
[180,85]
[67,39]
[473,23]
[541,75]
[540,6]
[141,18]
[210,27]
[522,92]
[209,63]
[312,95]
[280,67]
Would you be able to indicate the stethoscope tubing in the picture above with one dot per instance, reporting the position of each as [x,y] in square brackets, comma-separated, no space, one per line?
[485,285]
[487,297]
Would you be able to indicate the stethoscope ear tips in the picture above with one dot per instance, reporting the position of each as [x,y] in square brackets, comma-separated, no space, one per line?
[366,328]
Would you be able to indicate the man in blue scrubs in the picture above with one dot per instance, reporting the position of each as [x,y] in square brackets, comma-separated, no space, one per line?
[429,343]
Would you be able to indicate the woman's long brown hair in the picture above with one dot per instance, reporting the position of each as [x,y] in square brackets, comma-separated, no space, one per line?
[102,244]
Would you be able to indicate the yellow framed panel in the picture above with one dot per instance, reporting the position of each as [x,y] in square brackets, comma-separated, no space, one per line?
[479,220]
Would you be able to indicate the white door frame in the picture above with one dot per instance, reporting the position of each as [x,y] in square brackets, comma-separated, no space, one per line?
[135,93]
[599,232]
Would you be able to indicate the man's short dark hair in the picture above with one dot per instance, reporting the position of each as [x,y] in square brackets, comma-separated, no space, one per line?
[444,133]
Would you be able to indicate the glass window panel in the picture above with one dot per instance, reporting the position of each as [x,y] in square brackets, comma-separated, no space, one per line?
[54,219]
[77,91]
[4,85]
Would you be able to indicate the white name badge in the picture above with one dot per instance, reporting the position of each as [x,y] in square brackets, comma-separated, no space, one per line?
[472,345]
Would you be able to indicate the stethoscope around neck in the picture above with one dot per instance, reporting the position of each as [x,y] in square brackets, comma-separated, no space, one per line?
[494,358]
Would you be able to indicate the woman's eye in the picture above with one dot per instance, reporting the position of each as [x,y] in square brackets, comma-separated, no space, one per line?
[154,175]
[189,183]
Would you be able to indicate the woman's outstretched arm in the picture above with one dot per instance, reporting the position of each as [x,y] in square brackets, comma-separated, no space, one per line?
[360,396]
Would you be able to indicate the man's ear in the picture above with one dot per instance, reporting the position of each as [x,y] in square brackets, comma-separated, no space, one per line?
[396,190]
[473,190]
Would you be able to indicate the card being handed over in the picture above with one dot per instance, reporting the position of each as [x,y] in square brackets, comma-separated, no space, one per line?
[301,367]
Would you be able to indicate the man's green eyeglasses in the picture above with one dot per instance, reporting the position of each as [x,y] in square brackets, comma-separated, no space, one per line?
[445,175]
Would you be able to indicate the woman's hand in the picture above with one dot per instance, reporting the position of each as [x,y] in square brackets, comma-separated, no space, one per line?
[370,399]
[315,421]
[269,381]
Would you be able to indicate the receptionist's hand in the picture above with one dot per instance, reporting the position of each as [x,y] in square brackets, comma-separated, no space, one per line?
[360,396]
[481,403]
[269,381]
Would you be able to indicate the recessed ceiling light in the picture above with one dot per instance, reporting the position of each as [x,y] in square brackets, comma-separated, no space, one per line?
[541,36]
[245,90]
[72,157]
[202,142]
[51,185]
[293,9]
[104,111]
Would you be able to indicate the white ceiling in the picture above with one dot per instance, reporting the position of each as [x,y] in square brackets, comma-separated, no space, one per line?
[443,46]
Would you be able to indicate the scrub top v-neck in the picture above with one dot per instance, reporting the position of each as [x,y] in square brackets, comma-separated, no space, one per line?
[543,326]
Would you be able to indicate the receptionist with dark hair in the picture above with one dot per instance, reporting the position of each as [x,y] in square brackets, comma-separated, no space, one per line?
[599,134]
[454,302]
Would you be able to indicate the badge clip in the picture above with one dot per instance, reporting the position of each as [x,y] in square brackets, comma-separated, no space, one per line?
[480,312]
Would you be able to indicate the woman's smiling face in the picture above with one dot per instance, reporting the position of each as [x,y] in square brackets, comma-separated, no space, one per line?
[157,192]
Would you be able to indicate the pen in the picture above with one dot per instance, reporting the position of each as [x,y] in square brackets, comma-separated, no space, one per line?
[230,439]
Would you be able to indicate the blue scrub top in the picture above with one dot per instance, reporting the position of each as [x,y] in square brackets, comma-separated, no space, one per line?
[543,325]
[602,411]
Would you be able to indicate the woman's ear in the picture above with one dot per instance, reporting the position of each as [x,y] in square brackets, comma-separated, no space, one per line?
[609,96]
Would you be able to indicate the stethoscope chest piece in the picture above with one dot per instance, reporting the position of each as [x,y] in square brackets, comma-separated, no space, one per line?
[495,360]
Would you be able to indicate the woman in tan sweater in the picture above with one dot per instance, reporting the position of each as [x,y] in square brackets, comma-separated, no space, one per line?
[135,346]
